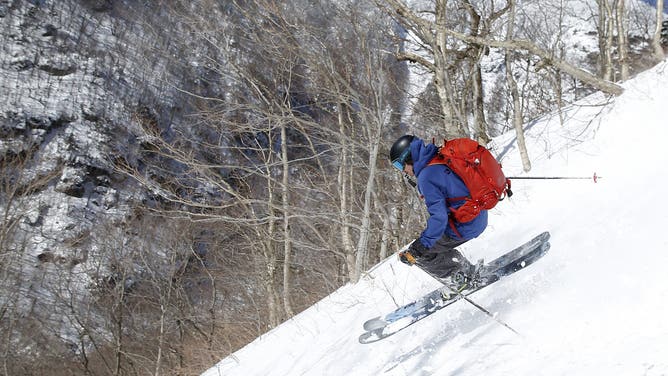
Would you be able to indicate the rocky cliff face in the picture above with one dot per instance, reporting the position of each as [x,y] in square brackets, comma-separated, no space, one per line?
[77,78]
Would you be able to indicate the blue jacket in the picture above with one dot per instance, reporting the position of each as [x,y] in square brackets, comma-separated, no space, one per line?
[436,184]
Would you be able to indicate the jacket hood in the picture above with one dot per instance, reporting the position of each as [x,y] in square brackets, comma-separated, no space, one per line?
[421,153]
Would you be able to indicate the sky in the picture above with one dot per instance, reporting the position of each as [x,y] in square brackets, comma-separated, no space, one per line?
[596,304]
[653,3]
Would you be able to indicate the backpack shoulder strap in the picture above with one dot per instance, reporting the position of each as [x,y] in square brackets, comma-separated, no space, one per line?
[438,158]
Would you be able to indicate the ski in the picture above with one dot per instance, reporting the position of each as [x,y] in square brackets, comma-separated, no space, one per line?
[382,327]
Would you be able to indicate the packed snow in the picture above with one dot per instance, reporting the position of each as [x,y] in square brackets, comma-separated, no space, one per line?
[597,303]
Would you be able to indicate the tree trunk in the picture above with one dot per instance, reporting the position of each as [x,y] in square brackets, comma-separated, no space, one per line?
[269,251]
[518,121]
[268,279]
[385,237]
[446,96]
[622,40]
[342,183]
[659,55]
[164,302]
[605,39]
[287,237]
[479,106]
[119,321]
[363,241]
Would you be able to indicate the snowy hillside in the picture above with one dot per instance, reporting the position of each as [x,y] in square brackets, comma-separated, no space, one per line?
[596,304]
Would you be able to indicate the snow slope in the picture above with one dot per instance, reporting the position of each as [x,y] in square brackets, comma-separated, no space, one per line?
[597,304]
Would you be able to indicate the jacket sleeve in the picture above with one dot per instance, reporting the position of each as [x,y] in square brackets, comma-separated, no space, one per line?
[434,198]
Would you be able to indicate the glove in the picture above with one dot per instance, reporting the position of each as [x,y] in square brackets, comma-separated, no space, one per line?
[414,252]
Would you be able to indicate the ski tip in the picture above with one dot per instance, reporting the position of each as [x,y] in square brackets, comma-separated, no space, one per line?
[546,247]
[374,323]
[370,337]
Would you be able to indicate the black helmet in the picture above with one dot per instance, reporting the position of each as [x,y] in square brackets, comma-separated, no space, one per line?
[401,150]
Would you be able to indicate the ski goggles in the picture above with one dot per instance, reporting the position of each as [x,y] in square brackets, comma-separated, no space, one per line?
[400,162]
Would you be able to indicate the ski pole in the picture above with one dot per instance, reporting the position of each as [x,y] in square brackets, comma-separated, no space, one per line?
[594,178]
[473,303]
[484,310]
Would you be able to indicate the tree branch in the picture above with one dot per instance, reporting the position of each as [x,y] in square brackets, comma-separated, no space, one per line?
[580,74]
[413,58]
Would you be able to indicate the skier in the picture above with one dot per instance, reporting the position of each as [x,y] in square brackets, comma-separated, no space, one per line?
[434,250]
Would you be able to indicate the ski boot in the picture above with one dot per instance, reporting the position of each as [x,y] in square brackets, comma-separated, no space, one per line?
[467,278]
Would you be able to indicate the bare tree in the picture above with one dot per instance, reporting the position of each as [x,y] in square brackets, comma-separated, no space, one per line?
[441,60]
[613,51]
[424,31]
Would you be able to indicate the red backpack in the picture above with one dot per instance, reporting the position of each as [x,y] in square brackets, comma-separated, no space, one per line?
[481,174]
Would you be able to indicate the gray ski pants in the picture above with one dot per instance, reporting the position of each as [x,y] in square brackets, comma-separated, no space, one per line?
[443,259]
